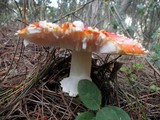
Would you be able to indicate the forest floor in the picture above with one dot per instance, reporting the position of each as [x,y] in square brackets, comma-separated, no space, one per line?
[30,88]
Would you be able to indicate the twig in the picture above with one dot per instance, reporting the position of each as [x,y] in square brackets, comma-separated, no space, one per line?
[18,8]
[72,12]
[152,67]
[21,21]
[24,13]
[16,49]
[120,20]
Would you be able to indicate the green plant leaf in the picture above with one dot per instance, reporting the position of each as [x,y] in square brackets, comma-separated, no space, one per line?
[133,77]
[85,116]
[127,70]
[138,65]
[94,118]
[89,94]
[140,6]
[112,113]
[154,88]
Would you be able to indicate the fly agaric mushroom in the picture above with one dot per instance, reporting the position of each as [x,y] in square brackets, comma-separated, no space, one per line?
[82,40]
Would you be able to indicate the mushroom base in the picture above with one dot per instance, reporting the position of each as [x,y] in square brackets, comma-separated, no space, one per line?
[80,69]
[70,84]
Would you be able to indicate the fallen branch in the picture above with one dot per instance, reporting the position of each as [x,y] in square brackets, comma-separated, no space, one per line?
[72,12]
[152,67]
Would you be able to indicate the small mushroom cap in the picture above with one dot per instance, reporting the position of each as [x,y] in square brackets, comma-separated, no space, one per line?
[79,37]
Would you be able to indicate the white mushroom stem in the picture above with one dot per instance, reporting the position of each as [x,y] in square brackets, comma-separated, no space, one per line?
[80,69]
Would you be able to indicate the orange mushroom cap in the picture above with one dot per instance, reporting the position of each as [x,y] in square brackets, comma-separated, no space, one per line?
[77,36]
[126,45]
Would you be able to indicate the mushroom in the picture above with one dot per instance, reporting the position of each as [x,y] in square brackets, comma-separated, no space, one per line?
[82,40]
